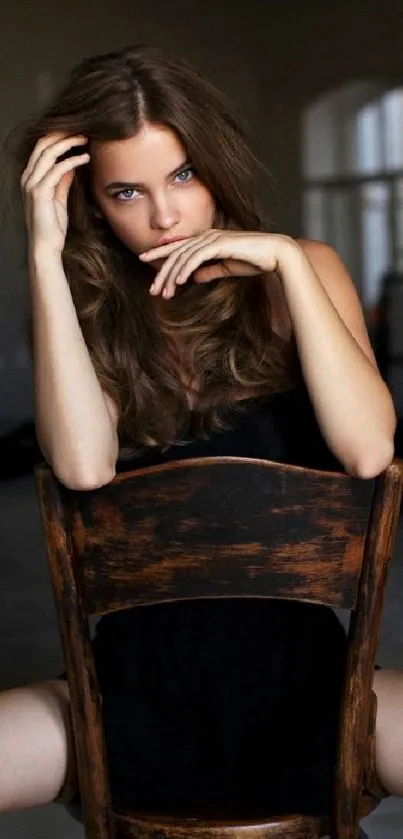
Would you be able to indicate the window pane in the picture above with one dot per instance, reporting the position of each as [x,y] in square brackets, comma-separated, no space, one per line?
[369,140]
[341,223]
[319,140]
[314,214]
[375,199]
[399,223]
[392,108]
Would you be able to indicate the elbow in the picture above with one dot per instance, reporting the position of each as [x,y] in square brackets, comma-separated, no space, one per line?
[87,481]
[372,465]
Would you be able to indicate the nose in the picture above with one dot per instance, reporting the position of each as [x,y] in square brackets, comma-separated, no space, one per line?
[164,214]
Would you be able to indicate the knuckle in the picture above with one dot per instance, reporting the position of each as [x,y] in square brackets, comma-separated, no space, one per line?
[35,191]
[41,144]
[47,152]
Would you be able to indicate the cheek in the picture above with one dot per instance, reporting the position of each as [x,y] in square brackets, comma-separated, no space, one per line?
[125,228]
[210,208]
[202,205]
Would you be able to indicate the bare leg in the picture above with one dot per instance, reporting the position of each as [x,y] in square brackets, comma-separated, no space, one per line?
[388,686]
[34,738]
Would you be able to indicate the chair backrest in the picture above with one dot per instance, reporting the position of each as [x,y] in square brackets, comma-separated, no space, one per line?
[220,527]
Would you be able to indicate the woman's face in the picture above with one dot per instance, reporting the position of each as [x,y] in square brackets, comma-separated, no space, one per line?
[147,190]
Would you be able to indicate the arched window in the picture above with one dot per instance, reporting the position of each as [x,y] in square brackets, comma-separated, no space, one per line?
[352,159]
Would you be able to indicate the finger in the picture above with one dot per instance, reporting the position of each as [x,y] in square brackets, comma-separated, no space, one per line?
[177,270]
[229,268]
[190,262]
[39,147]
[188,265]
[62,189]
[50,157]
[207,273]
[46,154]
[53,177]
[165,280]
[161,278]
[44,143]
[163,251]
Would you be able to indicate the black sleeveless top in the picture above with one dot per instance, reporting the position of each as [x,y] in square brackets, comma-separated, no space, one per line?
[226,707]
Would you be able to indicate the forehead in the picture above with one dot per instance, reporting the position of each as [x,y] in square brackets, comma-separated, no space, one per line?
[155,150]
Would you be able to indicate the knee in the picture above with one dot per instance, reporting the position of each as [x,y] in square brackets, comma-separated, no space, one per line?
[35,744]
[388,686]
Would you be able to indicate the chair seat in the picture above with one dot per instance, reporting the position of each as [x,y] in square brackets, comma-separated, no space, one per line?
[134,825]
[138,825]
[141,826]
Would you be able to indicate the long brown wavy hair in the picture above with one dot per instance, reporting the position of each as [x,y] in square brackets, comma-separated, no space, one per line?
[148,356]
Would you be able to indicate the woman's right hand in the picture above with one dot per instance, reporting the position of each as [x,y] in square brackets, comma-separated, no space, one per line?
[45,185]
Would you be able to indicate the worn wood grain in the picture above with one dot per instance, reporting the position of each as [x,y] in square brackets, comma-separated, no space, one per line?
[144,533]
[221,527]
[291,827]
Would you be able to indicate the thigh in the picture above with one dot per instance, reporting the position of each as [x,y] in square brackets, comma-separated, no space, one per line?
[35,744]
[388,686]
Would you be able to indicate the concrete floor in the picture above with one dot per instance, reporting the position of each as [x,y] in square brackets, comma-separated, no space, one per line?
[30,648]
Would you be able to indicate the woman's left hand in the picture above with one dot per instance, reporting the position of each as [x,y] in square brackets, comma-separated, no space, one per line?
[233,252]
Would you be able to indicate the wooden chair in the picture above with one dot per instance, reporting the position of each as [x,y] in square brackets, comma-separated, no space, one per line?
[219,527]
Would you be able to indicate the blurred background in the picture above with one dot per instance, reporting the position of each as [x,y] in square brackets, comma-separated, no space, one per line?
[320,84]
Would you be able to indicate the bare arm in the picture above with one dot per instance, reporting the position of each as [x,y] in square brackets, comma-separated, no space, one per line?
[352,403]
[76,422]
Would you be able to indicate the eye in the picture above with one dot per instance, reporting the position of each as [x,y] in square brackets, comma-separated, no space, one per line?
[188,171]
[125,194]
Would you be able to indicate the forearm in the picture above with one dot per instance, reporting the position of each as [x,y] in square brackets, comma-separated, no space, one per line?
[74,427]
[352,403]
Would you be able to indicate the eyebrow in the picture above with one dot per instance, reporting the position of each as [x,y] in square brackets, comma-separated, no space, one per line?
[130,184]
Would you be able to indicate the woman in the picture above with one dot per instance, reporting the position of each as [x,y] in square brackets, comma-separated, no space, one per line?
[159,295]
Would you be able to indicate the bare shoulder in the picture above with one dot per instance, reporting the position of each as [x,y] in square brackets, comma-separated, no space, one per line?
[331,270]
[340,288]
[320,253]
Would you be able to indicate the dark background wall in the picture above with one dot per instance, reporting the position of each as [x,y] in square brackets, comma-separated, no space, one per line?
[272,58]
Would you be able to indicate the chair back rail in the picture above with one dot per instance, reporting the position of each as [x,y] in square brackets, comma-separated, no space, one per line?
[242,528]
